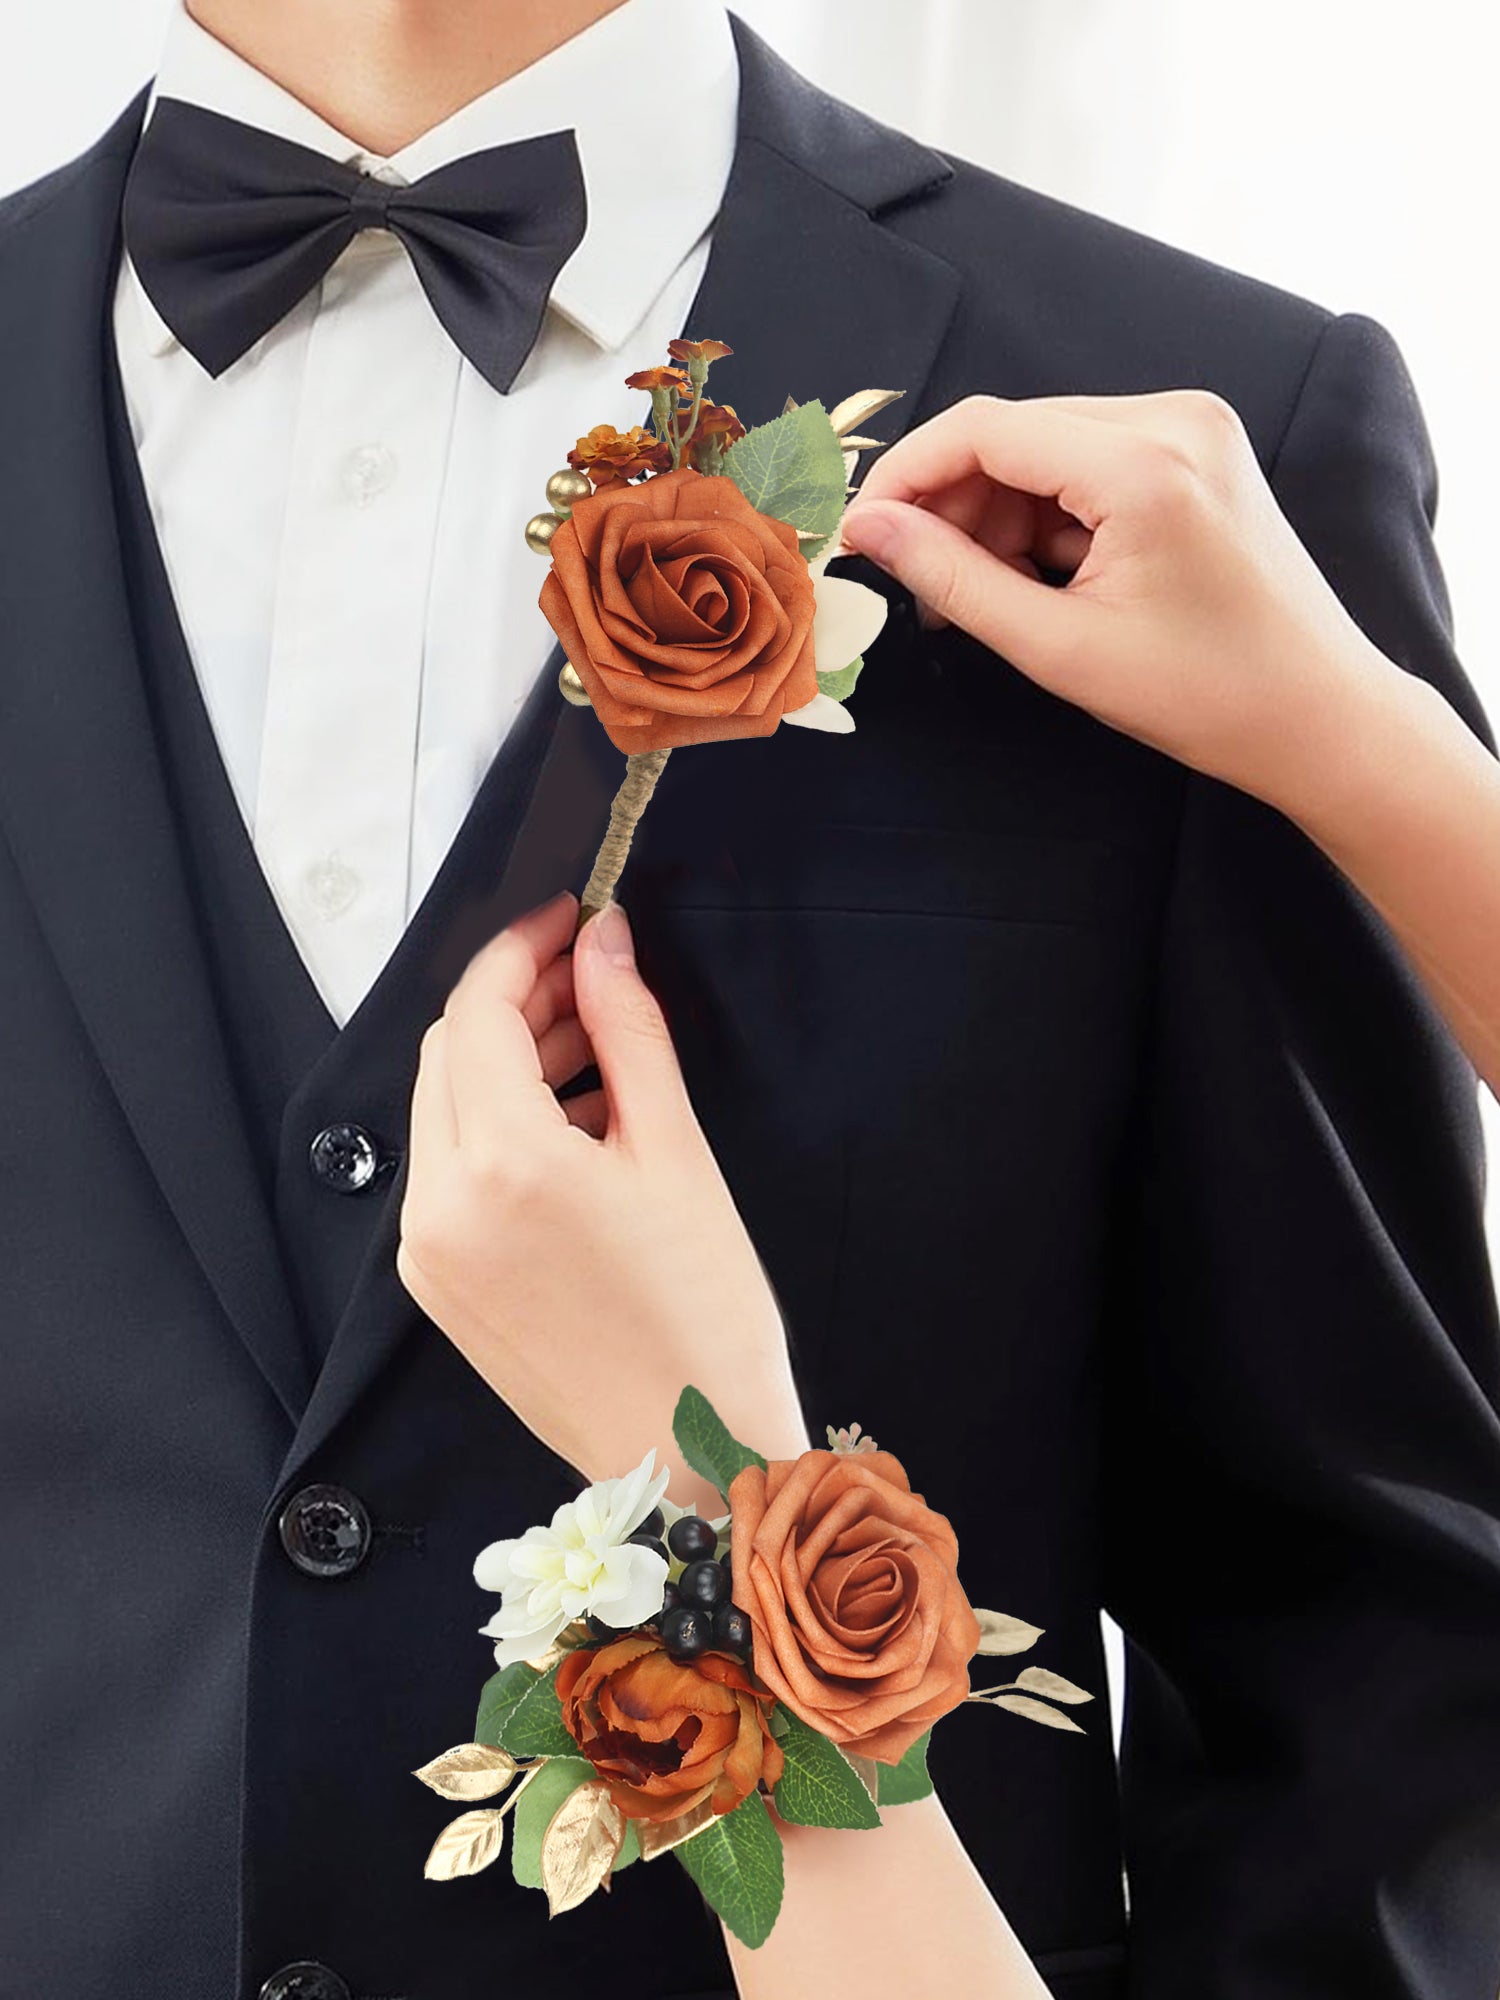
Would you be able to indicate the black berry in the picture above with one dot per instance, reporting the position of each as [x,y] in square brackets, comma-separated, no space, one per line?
[704,1583]
[686,1632]
[642,1540]
[732,1630]
[602,1631]
[691,1538]
[671,1598]
[654,1525]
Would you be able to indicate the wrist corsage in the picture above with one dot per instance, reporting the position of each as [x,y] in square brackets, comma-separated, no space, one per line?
[689,584]
[674,1684]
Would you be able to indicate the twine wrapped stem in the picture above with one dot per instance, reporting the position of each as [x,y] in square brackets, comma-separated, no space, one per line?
[641,774]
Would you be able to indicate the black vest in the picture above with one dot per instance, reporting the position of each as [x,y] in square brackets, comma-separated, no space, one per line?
[311,1095]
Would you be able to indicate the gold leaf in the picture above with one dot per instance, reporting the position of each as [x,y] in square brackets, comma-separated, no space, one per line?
[580,1846]
[661,1836]
[1037,1711]
[465,1845]
[862,444]
[868,1773]
[861,406]
[1037,1680]
[469,1771]
[999,1634]
[788,406]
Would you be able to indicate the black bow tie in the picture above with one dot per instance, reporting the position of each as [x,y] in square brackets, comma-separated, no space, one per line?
[228,227]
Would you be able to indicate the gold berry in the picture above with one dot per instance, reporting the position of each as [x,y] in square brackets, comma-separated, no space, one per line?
[539,532]
[573,689]
[566,487]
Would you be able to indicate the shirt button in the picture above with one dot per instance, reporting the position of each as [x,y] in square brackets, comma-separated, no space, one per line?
[344,1158]
[306,1980]
[330,886]
[326,1532]
[368,470]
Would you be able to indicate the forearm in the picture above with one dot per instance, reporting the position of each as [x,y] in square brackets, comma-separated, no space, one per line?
[896,1913]
[1408,806]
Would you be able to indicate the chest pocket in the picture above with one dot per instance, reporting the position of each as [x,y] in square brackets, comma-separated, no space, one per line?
[902,871]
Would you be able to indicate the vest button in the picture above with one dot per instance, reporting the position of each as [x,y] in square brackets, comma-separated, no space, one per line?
[326,1532]
[344,1158]
[306,1980]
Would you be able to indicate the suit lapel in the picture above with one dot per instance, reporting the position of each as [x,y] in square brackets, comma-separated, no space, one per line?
[82,798]
[818,299]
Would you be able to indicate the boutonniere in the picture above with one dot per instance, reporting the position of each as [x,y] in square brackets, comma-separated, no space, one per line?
[670,1684]
[688,582]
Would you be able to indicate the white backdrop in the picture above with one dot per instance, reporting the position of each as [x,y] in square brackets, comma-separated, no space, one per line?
[1342,148]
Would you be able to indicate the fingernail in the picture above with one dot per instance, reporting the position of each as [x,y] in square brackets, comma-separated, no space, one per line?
[609,932]
[869,533]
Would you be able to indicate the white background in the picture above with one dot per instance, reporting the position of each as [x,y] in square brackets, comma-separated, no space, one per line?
[1345,149]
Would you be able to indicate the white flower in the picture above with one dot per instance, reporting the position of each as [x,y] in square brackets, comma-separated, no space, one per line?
[582,1562]
[822,712]
[847,621]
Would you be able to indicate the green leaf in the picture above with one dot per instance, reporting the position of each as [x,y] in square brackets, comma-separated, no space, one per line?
[706,1444]
[840,686]
[793,469]
[499,1696]
[736,1862]
[555,1780]
[819,1786]
[908,1780]
[534,1727]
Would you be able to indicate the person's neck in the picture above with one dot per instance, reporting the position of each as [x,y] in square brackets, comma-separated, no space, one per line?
[386,71]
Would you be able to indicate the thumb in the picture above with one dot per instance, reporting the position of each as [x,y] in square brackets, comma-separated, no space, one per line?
[1032,624]
[627,1030]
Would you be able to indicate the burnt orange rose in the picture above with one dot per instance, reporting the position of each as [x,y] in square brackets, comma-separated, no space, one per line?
[668,1734]
[850,1581]
[686,614]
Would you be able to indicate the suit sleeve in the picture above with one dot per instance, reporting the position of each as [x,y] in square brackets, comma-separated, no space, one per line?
[1302,1452]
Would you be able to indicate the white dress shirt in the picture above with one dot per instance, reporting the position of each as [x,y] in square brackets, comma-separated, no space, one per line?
[341,511]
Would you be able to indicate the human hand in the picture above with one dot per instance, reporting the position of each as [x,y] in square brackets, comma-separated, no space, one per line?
[586,1257]
[1193,619]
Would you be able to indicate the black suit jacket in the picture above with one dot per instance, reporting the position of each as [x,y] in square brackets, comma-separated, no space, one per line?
[1108,1161]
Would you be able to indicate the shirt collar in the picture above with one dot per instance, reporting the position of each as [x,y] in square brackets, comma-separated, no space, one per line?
[645,213]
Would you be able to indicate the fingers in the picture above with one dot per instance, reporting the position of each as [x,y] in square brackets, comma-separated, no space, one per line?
[647,1099]
[563,1052]
[1033,447]
[434,1122]
[500,1091]
[1012,612]
[589,1111]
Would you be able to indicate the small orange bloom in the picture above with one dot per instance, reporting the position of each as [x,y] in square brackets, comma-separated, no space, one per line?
[656,378]
[667,1734]
[717,420]
[609,456]
[698,350]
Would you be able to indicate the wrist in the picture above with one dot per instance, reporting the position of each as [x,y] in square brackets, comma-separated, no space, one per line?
[1369,772]
[1347,749]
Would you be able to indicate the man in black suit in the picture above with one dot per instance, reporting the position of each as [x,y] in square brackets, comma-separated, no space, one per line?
[1106,1158]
